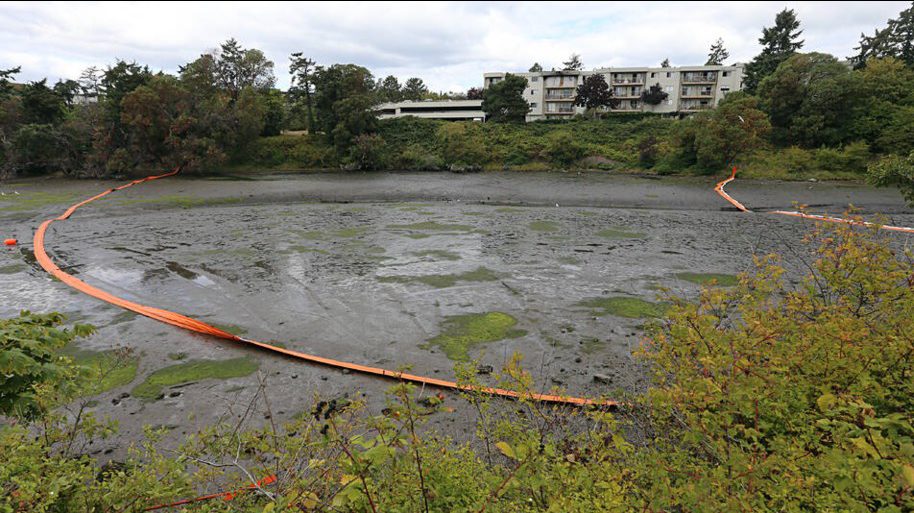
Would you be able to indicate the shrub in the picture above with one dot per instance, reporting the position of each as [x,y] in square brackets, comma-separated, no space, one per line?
[893,170]
[416,157]
[774,397]
[562,147]
[462,144]
[35,376]
[368,152]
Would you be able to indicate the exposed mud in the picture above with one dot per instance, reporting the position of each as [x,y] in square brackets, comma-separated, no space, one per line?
[352,267]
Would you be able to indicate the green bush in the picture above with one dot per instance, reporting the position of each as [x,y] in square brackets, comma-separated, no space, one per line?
[563,148]
[35,376]
[893,170]
[368,152]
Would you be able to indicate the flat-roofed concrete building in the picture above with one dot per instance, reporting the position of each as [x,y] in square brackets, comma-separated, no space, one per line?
[551,94]
[455,110]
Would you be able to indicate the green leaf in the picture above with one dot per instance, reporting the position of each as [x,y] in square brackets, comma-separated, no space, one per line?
[506,449]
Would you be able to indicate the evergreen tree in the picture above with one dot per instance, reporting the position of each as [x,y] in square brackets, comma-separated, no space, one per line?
[778,44]
[6,86]
[536,67]
[718,53]
[389,89]
[573,63]
[414,90]
[302,71]
[665,63]
[895,40]
[504,101]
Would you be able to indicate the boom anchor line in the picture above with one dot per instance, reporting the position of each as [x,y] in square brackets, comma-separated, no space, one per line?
[191,324]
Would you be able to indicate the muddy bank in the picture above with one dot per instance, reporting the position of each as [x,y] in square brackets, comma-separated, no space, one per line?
[392,270]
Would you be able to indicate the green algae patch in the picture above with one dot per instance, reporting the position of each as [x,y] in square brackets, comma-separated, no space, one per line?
[438,254]
[193,371]
[461,333]
[443,281]
[508,210]
[569,260]
[620,306]
[722,280]
[12,268]
[615,233]
[544,226]
[418,235]
[34,200]
[179,200]
[591,345]
[432,226]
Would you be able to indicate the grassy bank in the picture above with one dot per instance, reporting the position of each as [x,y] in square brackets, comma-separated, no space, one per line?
[636,143]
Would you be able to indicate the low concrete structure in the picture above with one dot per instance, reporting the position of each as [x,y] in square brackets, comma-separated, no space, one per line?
[551,94]
[454,110]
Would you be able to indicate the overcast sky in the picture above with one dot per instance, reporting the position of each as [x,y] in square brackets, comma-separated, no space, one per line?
[448,44]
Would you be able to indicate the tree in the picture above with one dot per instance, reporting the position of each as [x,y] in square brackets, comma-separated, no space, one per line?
[6,86]
[474,93]
[67,89]
[895,40]
[665,63]
[809,99]
[237,68]
[389,90]
[504,101]
[273,105]
[594,93]
[715,139]
[573,63]
[302,71]
[718,54]
[414,89]
[654,95]
[778,44]
[344,98]
[89,82]
[40,104]
[535,68]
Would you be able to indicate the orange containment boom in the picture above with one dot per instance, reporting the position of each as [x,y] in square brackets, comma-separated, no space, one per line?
[188,323]
[719,188]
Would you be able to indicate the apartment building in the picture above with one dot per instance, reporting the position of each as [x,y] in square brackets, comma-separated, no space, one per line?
[551,94]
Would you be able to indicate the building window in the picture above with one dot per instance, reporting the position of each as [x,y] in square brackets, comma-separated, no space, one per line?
[669,101]
[726,73]
[532,105]
[724,90]
[532,92]
[534,79]
[668,74]
[653,74]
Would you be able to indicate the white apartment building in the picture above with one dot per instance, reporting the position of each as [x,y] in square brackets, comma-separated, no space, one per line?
[551,94]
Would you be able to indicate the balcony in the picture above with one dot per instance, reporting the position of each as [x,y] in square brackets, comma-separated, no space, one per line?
[627,81]
[560,95]
[699,78]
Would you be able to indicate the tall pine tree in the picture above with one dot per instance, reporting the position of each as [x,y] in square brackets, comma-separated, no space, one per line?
[718,54]
[895,40]
[778,43]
